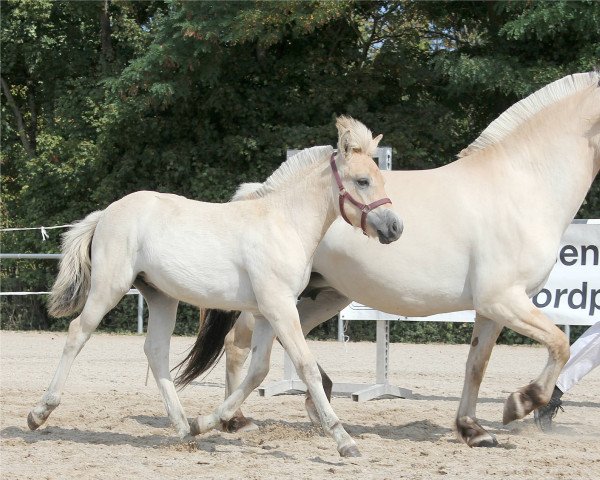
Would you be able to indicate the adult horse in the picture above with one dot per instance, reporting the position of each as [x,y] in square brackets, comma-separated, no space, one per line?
[481,233]
[252,255]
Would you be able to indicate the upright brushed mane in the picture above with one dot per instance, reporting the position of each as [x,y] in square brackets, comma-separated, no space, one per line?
[288,170]
[355,136]
[523,110]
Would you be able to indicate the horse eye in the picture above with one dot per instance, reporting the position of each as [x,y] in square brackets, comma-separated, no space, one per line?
[362,182]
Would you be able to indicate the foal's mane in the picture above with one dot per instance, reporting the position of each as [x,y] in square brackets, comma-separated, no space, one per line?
[523,110]
[289,169]
[353,136]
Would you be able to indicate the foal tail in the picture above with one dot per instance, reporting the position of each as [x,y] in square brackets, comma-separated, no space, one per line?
[208,347]
[74,277]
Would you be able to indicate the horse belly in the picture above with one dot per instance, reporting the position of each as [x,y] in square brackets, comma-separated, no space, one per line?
[204,280]
[416,276]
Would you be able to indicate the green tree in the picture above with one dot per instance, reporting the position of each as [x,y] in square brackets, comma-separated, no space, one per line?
[103,98]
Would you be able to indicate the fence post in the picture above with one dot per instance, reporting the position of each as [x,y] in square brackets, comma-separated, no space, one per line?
[140,315]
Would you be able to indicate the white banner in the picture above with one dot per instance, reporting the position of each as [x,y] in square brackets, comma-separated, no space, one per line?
[571,295]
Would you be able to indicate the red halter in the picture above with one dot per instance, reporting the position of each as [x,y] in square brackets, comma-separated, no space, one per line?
[344,195]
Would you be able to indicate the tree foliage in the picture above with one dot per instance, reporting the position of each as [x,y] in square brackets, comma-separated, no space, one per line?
[102,98]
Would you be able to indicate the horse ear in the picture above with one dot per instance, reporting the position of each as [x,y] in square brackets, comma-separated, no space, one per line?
[344,143]
[343,135]
[376,141]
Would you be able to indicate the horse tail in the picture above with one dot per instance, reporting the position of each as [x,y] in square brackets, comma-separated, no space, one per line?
[208,348]
[72,284]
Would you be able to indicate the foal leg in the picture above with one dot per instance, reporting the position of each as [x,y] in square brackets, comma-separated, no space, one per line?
[100,300]
[262,343]
[161,322]
[516,311]
[285,322]
[485,333]
[313,312]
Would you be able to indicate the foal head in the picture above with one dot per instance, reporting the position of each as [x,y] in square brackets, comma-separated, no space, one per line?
[363,202]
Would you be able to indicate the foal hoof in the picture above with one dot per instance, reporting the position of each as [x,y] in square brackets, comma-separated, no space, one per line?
[33,421]
[349,451]
[190,442]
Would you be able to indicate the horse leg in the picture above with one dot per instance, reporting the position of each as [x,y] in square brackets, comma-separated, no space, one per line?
[516,311]
[309,404]
[161,322]
[284,319]
[485,333]
[313,311]
[262,344]
[237,348]
[101,299]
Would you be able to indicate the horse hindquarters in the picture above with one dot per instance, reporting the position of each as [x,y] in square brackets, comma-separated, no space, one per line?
[109,280]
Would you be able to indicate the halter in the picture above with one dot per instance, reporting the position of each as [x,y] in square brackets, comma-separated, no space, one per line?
[344,195]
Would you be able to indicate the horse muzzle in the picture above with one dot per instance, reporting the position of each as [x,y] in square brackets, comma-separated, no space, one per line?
[387,225]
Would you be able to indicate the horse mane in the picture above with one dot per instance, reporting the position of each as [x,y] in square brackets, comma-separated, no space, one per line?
[523,110]
[245,191]
[289,169]
[354,135]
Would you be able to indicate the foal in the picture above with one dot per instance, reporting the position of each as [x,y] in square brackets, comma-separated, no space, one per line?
[252,255]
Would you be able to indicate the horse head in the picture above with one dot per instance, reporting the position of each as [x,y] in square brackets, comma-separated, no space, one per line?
[359,181]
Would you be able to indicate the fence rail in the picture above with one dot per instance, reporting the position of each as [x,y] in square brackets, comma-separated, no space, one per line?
[58,256]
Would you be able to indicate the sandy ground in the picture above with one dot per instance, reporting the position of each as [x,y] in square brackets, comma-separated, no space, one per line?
[109,425]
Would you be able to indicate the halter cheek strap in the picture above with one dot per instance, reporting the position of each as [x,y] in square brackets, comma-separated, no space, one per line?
[344,195]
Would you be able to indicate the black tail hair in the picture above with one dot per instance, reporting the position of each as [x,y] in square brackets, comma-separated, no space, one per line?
[208,348]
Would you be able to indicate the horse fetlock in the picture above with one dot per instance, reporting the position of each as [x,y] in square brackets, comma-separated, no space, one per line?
[50,401]
[522,402]
[473,434]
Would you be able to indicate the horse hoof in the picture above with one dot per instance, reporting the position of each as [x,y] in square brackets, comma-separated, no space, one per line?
[349,451]
[522,402]
[238,425]
[189,440]
[202,424]
[473,434]
[518,404]
[32,421]
[487,441]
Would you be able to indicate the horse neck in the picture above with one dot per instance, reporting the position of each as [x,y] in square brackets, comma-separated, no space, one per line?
[555,152]
[308,204]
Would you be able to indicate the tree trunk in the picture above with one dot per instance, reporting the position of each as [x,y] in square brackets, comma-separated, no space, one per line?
[17,113]
[105,36]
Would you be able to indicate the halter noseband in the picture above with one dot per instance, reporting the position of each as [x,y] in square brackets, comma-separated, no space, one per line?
[344,195]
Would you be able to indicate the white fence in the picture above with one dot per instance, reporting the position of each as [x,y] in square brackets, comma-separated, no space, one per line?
[58,256]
